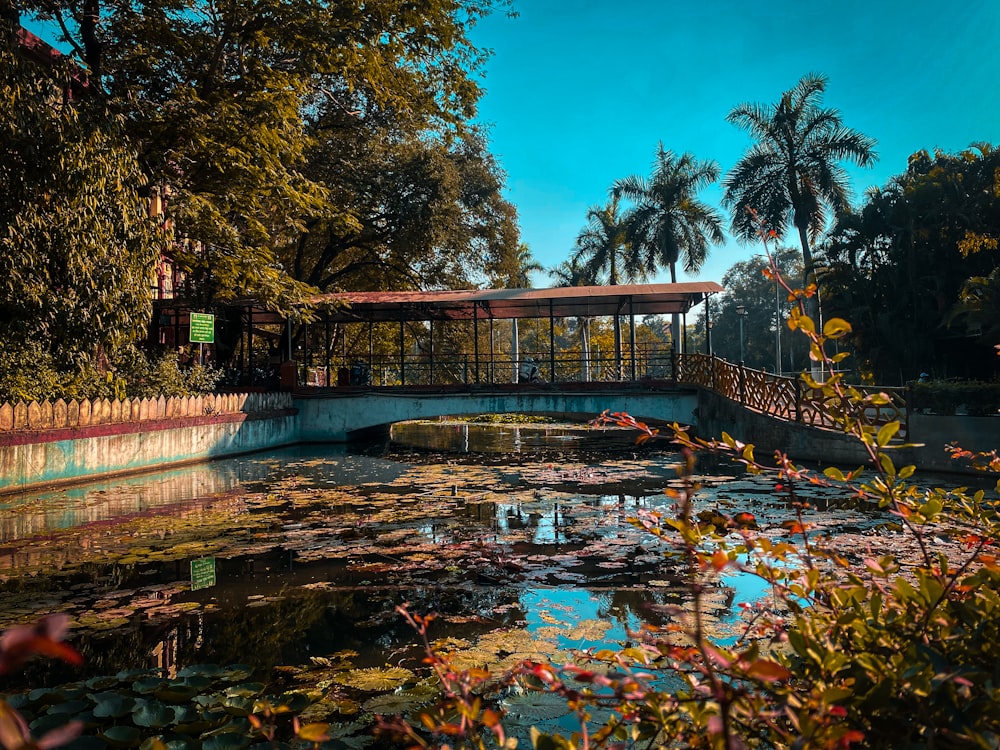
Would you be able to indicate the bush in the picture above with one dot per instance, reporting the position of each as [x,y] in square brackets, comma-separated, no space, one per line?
[944,397]
[30,373]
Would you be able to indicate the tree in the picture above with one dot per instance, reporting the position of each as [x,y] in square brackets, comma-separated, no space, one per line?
[604,253]
[668,223]
[573,272]
[765,308]
[229,105]
[792,173]
[78,249]
[897,267]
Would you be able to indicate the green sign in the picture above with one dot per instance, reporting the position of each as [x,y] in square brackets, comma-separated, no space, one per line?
[202,573]
[202,328]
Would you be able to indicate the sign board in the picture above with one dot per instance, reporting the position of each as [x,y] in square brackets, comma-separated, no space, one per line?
[202,573]
[202,328]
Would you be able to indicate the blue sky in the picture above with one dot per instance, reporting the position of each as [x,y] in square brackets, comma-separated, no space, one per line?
[580,92]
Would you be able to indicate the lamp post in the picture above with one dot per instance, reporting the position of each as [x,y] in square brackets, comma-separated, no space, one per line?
[741,311]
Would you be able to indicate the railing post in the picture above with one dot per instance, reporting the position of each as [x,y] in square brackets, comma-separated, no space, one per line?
[743,383]
[798,400]
[674,371]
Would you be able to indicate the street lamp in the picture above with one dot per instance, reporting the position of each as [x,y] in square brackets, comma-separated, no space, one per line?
[741,311]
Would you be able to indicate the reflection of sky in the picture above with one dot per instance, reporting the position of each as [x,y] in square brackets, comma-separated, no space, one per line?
[570,606]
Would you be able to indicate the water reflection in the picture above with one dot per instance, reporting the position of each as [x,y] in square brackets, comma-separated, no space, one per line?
[31,514]
[472,437]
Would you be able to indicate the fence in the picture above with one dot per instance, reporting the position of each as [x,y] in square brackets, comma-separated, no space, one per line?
[784,397]
[61,414]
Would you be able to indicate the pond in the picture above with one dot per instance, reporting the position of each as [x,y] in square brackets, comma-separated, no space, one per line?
[524,554]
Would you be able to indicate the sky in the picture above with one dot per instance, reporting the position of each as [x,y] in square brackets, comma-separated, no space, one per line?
[580,93]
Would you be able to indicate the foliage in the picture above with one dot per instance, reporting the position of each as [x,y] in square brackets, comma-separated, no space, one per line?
[791,174]
[668,223]
[850,651]
[77,250]
[29,373]
[947,397]
[915,268]
[273,128]
[750,284]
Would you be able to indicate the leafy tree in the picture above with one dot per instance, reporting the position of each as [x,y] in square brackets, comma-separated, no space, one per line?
[792,173]
[668,223]
[77,248]
[230,107]
[765,307]
[898,265]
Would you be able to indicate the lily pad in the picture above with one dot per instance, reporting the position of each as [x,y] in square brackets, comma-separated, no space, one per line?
[201,670]
[147,685]
[227,741]
[154,714]
[176,693]
[386,678]
[121,736]
[70,708]
[111,705]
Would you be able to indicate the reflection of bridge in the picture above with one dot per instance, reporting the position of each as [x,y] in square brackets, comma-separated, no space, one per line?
[336,413]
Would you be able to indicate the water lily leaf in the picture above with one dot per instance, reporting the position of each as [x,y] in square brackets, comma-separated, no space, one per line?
[154,714]
[185,714]
[147,685]
[196,681]
[238,725]
[289,703]
[236,673]
[386,678]
[112,705]
[236,705]
[130,675]
[102,683]
[201,670]
[392,704]
[70,707]
[181,743]
[46,723]
[121,736]
[227,741]
[176,693]
[245,690]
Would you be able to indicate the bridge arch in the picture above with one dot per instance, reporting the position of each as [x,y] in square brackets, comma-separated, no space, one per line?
[336,418]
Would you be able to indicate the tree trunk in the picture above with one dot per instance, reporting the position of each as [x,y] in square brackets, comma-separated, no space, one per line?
[811,303]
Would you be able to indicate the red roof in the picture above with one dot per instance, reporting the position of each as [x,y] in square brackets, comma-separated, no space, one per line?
[560,302]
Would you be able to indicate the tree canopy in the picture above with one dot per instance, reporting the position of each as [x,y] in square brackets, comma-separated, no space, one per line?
[302,144]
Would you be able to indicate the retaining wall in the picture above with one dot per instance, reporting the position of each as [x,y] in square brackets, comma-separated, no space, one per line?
[716,414]
[48,444]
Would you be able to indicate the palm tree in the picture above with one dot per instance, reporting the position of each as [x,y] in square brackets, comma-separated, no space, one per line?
[668,223]
[791,174]
[573,272]
[519,277]
[603,251]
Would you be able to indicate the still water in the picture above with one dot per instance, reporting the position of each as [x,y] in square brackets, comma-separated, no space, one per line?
[524,553]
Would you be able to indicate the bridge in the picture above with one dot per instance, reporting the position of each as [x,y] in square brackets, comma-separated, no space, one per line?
[341,416]
[338,414]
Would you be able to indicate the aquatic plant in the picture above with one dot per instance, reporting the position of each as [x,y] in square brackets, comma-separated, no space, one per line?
[860,648]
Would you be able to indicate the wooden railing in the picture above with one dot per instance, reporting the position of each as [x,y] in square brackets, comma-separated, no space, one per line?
[59,414]
[785,397]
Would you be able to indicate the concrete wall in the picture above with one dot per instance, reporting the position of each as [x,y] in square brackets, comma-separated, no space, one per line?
[31,460]
[334,419]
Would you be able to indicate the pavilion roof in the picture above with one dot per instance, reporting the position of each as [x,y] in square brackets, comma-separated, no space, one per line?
[559,302]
